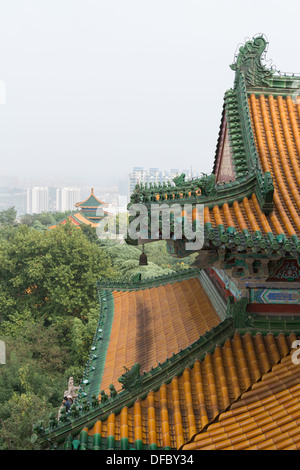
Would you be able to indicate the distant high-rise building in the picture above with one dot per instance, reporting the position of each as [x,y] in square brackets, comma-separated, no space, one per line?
[66,198]
[37,200]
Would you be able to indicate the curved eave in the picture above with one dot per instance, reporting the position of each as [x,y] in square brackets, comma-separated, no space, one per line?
[91,202]
[151,381]
[215,379]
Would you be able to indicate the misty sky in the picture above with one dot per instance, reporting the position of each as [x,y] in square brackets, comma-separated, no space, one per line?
[96,87]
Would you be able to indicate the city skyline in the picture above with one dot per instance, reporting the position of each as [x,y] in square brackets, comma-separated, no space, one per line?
[37,196]
[105,86]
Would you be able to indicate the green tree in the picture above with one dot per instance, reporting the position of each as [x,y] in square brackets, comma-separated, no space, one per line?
[45,218]
[8,216]
[32,381]
[27,219]
[48,275]
[125,259]
[89,232]
[117,251]
[38,226]
[81,335]
[157,253]
[58,216]
[130,268]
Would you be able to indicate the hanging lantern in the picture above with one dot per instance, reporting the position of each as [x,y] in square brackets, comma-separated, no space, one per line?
[143,259]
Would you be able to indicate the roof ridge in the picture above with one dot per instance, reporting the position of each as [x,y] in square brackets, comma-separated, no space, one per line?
[136,283]
[260,77]
[96,362]
[62,219]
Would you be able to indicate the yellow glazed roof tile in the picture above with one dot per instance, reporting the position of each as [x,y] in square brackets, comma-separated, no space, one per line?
[276,128]
[221,387]
[265,417]
[150,325]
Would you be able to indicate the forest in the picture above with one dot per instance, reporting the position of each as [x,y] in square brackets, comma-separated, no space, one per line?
[49,310]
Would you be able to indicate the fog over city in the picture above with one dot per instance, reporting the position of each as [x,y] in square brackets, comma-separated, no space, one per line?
[94,88]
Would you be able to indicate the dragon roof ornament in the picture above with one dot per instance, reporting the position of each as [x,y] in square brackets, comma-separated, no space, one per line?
[249,60]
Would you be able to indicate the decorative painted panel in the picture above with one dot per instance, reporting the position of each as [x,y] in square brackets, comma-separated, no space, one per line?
[285,270]
[274,296]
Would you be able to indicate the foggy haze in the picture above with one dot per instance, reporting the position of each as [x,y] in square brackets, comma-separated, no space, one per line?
[93,88]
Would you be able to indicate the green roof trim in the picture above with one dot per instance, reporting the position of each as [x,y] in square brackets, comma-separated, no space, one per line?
[136,283]
[72,215]
[90,202]
[277,324]
[94,369]
[150,381]
[236,139]
[92,213]
[249,62]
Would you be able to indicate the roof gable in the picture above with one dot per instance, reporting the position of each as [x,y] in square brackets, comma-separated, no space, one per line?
[224,167]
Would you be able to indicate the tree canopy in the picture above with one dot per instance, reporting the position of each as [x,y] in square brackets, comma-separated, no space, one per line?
[45,218]
[48,275]
[8,216]
[49,311]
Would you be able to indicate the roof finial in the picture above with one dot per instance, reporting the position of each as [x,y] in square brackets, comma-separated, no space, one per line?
[248,60]
[92,191]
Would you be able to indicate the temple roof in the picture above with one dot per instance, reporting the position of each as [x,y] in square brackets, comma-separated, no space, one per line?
[91,202]
[151,325]
[251,199]
[76,218]
[89,213]
[195,371]
[228,378]
[220,381]
[192,368]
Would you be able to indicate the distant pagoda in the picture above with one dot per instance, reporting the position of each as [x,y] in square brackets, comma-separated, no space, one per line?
[90,212]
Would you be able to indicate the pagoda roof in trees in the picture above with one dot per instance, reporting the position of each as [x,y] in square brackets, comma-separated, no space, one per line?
[89,213]
[78,218]
[91,202]
[252,198]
